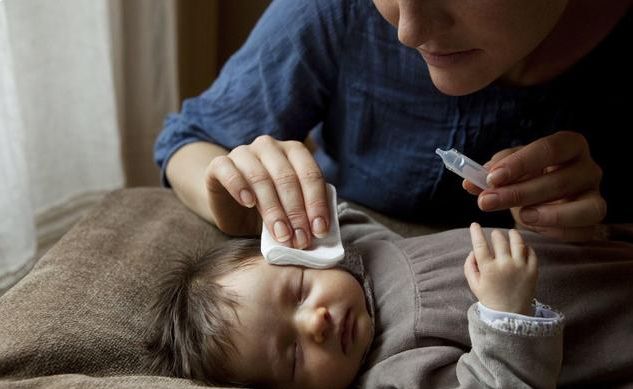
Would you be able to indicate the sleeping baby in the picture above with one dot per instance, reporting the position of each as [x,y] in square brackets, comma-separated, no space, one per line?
[454,309]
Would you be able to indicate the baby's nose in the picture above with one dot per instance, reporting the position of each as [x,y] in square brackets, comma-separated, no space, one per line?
[318,324]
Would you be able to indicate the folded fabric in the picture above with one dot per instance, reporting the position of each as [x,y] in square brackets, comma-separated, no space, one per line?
[325,252]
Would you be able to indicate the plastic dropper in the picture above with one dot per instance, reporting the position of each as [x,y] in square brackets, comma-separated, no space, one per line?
[464,167]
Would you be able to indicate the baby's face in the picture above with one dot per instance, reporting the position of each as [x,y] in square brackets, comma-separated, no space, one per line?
[298,327]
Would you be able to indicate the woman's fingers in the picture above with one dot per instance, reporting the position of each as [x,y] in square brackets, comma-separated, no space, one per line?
[280,178]
[231,212]
[501,155]
[312,185]
[262,184]
[474,189]
[572,234]
[551,185]
[555,149]
[286,188]
[471,188]
[223,175]
[586,210]
[563,183]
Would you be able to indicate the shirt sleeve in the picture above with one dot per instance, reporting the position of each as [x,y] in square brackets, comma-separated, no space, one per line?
[278,83]
[544,322]
[496,359]
[509,358]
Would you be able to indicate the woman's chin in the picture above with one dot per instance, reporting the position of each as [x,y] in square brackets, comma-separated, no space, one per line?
[458,84]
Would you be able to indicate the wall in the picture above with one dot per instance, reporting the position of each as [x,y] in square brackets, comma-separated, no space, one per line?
[209,32]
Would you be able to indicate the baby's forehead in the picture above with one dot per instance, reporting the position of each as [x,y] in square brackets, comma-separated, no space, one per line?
[263,293]
[258,285]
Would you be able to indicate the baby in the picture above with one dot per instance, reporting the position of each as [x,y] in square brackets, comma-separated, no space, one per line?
[397,313]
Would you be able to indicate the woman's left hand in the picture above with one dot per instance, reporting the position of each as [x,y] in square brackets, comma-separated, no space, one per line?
[551,185]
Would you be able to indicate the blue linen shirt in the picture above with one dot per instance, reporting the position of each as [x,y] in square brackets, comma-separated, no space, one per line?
[337,67]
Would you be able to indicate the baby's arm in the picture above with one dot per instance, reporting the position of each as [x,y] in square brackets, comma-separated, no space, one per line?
[505,279]
[512,341]
[508,350]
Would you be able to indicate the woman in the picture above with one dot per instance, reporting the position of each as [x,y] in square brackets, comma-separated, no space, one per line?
[527,86]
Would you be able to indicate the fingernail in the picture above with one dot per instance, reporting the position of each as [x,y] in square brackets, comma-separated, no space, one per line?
[529,215]
[301,240]
[247,198]
[282,233]
[498,177]
[490,202]
[319,229]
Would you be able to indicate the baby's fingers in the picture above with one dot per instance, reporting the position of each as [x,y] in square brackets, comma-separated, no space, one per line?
[518,248]
[500,245]
[532,260]
[471,271]
[480,244]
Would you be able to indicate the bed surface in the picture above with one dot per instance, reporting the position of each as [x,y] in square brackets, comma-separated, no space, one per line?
[77,319]
[79,314]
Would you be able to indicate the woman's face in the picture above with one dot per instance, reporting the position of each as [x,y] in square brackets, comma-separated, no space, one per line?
[467,44]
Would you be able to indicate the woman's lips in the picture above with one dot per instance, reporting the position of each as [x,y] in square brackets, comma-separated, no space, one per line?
[446,59]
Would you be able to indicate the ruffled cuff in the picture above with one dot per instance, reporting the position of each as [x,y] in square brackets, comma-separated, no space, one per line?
[545,322]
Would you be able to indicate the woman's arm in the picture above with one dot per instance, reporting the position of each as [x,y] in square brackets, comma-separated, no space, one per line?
[235,139]
[278,182]
[186,173]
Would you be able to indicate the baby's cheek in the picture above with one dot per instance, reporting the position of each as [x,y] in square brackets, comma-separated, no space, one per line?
[365,332]
[328,370]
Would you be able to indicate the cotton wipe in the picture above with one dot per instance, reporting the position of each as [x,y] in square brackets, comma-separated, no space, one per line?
[325,252]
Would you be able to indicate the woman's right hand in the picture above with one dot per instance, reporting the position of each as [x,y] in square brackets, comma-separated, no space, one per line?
[551,186]
[278,182]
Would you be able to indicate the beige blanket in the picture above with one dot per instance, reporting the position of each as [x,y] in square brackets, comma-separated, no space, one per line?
[77,319]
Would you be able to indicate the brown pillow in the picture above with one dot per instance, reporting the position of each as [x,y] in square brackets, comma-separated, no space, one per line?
[81,310]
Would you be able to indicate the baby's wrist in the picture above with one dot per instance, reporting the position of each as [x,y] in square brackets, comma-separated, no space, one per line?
[544,322]
[526,308]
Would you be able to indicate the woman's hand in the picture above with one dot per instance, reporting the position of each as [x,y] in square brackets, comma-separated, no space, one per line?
[278,181]
[505,279]
[552,186]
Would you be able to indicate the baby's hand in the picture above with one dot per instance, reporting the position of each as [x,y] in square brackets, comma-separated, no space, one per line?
[506,279]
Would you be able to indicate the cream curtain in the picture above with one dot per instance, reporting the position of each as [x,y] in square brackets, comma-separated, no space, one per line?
[84,89]
[146,73]
[84,86]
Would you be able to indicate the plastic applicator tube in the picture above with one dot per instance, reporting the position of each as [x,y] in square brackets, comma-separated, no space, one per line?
[464,167]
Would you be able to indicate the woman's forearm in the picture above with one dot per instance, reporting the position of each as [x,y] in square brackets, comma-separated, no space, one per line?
[186,174]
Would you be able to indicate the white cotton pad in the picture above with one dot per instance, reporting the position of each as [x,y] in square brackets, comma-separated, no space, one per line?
[325,252]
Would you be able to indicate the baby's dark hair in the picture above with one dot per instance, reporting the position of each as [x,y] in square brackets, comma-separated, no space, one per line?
[192,315]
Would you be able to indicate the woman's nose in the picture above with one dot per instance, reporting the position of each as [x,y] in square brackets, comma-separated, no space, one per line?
[317,324]
[419,22]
